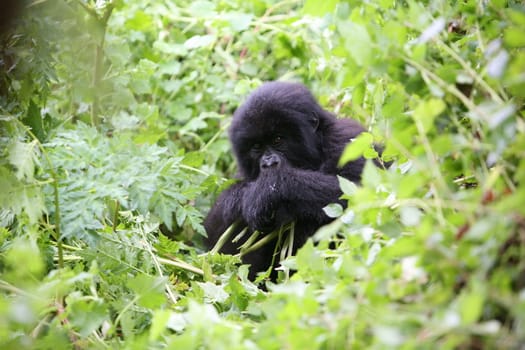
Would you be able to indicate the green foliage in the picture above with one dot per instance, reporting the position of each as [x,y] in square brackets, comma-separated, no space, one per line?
[121,175]
[113,145]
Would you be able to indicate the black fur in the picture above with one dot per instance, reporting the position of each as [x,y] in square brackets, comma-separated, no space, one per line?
[287,149]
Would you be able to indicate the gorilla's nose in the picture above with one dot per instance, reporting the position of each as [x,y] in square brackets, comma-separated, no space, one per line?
[269,161]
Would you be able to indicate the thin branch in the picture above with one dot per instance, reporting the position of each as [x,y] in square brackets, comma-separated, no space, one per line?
[477,78]
[97,69]
[156,260]
[223,238]
[181,264]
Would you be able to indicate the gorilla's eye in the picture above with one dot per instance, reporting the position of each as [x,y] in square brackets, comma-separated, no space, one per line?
[277,140]
[256,147]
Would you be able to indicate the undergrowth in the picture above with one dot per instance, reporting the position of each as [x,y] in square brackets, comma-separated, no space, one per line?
[113,146]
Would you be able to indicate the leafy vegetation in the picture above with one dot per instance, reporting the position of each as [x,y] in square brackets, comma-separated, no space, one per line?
[113,145]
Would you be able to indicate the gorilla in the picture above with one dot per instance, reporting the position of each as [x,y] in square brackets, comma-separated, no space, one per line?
[287,149]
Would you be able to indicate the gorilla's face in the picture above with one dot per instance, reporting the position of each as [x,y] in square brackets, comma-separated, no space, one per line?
[266,137]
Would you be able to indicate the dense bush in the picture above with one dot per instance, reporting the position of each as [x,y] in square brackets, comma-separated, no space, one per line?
[113,146]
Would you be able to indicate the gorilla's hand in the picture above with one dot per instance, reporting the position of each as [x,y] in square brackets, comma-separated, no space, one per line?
[263,207]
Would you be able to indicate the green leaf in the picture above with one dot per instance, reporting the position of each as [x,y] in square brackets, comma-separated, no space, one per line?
[237,292]
[34,120]
[202,8]
[389,336]
[396,32]
[30,269]
[356,148]
[140,81]
[357,42]
[149,289]
[410,184]
[402,247]
[309,259]
[427,111]
[171,68]
[328,231]
[514,71]
[140,21]
[513,37]
[410,216]
[333,210]
[193,159]
[517,15]
[347,186]
[170,48]
[172,86]
[198,41]
[21,157]
[319,8]
[159,323]
[371,176]
[32,202]
[471,302]
[213,293]
[20,197]
[239,21]
[86,315]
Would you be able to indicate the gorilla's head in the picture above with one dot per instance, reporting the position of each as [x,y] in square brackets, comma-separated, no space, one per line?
[279,124]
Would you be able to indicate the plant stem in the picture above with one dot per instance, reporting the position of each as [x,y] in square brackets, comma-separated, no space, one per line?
[56,201]
[180,264]
[115,215]
[477,78]
[97,70]
[223,238]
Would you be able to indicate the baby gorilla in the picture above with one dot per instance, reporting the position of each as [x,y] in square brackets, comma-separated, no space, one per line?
[287,149]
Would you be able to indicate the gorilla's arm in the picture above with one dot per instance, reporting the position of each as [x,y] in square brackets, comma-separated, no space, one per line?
[307,192]
[286,194]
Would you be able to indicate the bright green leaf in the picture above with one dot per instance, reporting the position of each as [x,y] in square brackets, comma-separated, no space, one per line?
[319,8]
[159,323]
[427,111]
[356,148]
[357,41]
[514,37]
[470,303]
[149,289]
